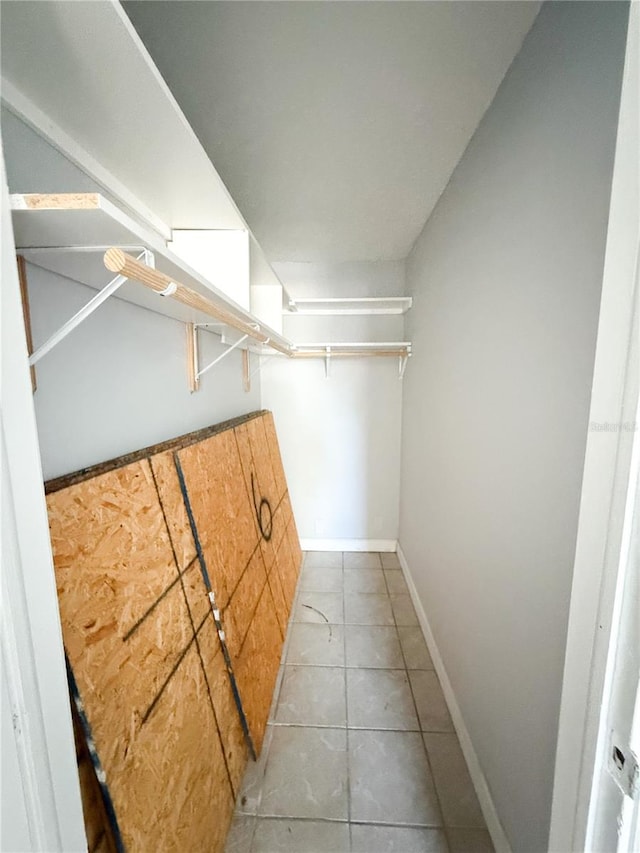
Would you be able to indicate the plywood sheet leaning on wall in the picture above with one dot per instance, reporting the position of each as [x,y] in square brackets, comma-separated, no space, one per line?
[138,626]
[131,643]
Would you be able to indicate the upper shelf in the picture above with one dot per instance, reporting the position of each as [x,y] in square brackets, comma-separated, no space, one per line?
[349,305]
[55,231]
[81,77]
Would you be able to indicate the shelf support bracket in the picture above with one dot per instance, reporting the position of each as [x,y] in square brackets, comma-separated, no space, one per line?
[327,363]
[404,359]
[193,357]
[246,371]
[86,311]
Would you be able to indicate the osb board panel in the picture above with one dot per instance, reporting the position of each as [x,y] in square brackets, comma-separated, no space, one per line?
[257,666]
[248,467]
[269,547]
[274,449]
[240,611]
[119,681]
[294,545]
[97,828]
[280,602]
[262,461]
[153,450]
[110,544]
[196,592]
[228,720]
[168,485]
[221,508]
[285,566]
[175,794]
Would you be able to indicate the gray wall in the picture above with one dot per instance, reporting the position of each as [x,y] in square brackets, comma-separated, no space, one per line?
[340,437]
[119,381]
[506,282]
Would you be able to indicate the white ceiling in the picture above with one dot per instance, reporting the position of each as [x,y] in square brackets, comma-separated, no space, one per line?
[335,125]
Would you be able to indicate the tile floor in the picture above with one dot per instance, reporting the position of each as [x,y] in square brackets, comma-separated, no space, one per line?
[360,753]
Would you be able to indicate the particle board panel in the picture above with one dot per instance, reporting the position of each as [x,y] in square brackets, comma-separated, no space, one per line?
[248,468]
[262,461]
[241,609]
[131,592]
[120,681]
[274,450]
[110,544]
[285,566]
[168,486]
[294,544]
[257,666]
[97,827]
[196,592]
[269,547]
[231,735]
[279,601]
[221,508]
[176,793]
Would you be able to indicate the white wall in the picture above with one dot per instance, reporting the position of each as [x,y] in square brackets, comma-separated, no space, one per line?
[506,281]
[119,381]
[340,437]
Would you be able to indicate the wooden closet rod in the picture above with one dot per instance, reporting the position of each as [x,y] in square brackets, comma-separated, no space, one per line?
[120,262]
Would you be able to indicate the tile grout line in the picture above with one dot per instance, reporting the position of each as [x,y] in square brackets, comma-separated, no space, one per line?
[424,745]
[346,706]
[275,724]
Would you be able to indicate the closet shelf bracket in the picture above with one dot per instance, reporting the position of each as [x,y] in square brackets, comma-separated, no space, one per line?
[193,355]
[327,363]
[86,311]
[402,366]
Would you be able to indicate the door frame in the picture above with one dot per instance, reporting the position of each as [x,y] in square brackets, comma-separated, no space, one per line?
[605,486]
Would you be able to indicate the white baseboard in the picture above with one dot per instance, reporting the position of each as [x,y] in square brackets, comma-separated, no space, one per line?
[496,830]
[387,545]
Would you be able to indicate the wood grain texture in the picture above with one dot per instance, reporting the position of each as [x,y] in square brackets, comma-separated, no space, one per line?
[240,611]
[257,666]
[98,830]
[168,486]
[279,601]
[231,734]
[158,699]
[176,793]
[26,312]
[222,512]
[274,450]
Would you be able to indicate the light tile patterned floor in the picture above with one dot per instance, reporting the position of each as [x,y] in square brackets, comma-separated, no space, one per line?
[360,753]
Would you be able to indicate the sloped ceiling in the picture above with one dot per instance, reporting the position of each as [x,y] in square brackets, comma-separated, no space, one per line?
[335,125]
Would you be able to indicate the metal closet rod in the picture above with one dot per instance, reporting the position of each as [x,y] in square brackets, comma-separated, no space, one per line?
[118,261]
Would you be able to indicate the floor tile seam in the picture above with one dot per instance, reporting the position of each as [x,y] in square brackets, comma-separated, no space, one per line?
[355,728]
[466,826]
[353,666]
[360,822]
[273,709]
[354,624]
[426,751]
[340,821]
[346,702]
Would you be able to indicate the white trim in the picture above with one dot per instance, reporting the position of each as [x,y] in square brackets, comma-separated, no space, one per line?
[386,545]
[31,637]
[496,830]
